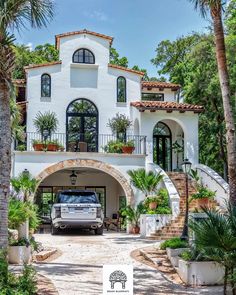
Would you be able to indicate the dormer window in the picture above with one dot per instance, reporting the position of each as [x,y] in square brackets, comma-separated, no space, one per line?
[121,89]
[45,85]
[83,56]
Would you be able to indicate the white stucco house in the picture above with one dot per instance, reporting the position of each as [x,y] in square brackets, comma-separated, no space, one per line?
[85,90]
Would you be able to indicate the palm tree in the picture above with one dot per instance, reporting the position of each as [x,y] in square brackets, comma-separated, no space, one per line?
[215,8]
[146,182]
[25,184]
[14,14]
[215,239]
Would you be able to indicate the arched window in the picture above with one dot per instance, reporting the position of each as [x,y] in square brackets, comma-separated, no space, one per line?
[45,85]
[121,89]
[82,126]
[83,56]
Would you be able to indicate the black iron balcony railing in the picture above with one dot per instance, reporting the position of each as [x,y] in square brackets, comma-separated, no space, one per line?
[83,142]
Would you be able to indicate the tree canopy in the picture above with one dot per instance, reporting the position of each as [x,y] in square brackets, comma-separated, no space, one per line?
[190,61]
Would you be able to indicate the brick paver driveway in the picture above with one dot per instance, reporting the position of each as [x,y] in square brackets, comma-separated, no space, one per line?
[78,271]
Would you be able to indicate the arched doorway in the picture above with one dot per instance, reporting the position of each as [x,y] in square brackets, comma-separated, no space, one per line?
[162,146]
[82,126]
[111,186]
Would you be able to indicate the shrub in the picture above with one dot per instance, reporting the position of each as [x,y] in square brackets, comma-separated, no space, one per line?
[46,122]
[119,124]
[19,212]
[11,284]
[174,243]
[114,146]
[203,192]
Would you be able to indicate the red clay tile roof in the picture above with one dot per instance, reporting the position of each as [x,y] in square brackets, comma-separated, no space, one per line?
[43,65]
[57,37]
[125,69]
[166,106]
[19,82]
[158,84]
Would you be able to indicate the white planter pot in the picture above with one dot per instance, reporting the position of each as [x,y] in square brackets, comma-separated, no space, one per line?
[174,252]
[19,254]
[173,255]
[197,273]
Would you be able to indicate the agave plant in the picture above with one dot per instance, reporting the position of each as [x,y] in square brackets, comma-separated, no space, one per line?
[215,237]
[147,182]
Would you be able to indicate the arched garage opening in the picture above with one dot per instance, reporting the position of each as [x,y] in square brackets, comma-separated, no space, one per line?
[111,186]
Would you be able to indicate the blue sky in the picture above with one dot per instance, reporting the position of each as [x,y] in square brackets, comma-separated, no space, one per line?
[137,25]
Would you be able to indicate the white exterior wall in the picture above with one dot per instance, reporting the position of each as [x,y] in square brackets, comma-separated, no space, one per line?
[188,122]
[169,95]
[69,81]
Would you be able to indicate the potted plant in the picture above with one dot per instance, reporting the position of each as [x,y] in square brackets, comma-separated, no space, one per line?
[152,202]
[38,145]
[128,147]
[19,252]
[146,182]
[119,125]
[113,146]
[132,215]
[203,196]
[52,145]
[45,124]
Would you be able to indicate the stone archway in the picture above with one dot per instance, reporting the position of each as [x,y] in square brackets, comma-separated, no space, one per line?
[86,163]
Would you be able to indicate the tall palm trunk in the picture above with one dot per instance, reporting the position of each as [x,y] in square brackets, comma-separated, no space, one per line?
[5,161]
[225,89]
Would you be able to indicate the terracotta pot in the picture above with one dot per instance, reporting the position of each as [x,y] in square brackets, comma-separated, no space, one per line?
[204,202]
[152,205]
[51,147]
[136,230]
[39,147]
[127,149]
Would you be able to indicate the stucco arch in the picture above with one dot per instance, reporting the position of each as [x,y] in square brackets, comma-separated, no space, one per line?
[173,119]
[94,164]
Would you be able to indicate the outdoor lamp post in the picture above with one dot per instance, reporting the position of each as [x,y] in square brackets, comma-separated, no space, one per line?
[73,178]
[186,166]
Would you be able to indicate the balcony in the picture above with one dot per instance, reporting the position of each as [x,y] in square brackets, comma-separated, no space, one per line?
[81,142]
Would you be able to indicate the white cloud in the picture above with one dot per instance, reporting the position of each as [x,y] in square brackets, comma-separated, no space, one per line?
[30,45]
[97,15]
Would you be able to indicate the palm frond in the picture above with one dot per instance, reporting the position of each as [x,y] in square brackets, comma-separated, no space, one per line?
[17,13]
[207,5]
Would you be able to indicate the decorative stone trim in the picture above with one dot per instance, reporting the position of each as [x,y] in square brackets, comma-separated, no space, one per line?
[88,163]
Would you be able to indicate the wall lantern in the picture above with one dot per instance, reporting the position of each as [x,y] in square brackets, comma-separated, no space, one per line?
[73,178]
[25,173]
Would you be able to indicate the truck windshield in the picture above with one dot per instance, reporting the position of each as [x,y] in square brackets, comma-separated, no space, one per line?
[77,198]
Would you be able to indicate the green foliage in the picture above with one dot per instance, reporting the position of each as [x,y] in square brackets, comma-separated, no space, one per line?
[20,242]
[46,122]
[119,124]
[194,174]
[129,143]
[190,61]
[25,184]
[133,214]
[113,146]
[24,56]
[17,130]
[174,243]
[117,60]
[19,212]
[12,284]
[146,182]
[151,199]
[203,192]
[215,238]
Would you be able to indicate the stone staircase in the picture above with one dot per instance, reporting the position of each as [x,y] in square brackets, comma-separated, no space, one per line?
[175,227]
